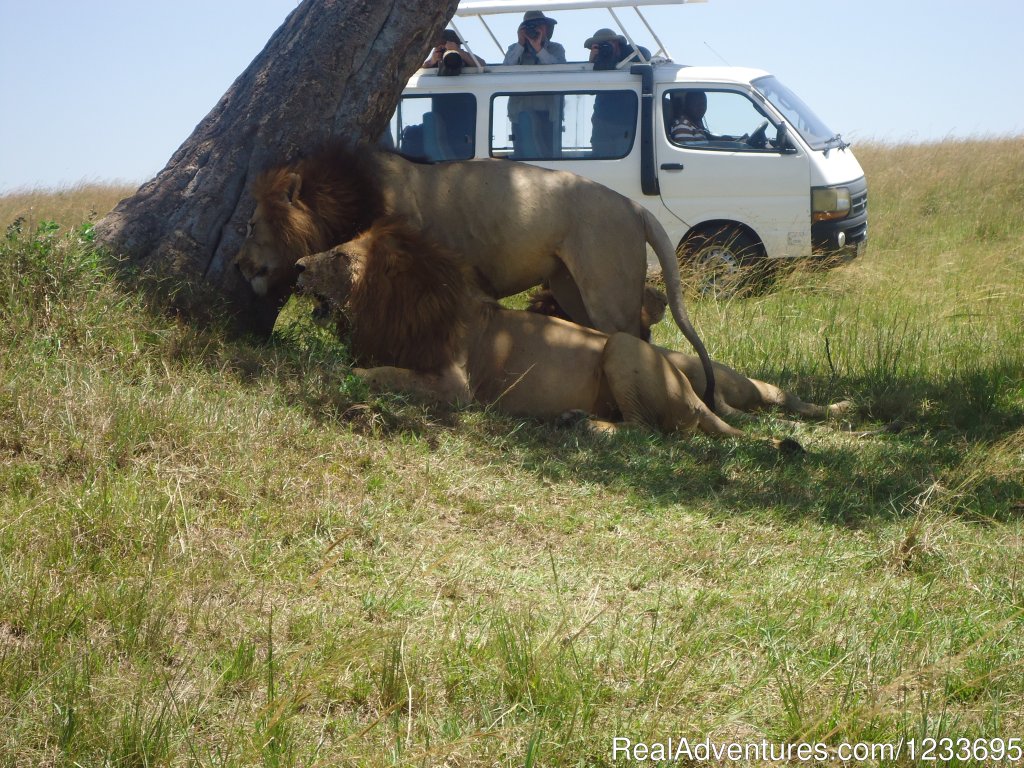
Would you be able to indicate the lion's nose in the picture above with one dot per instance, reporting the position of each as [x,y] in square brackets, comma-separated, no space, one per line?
[300,267]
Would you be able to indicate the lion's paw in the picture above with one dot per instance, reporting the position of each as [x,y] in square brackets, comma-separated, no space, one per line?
[583,422]
[840,408]
[571,419]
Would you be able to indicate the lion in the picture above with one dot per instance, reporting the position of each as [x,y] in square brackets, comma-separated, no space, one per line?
[515,225]
[426,329]
[735,392]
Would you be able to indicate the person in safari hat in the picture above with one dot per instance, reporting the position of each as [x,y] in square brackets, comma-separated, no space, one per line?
[534,45]
[607,49]
[614,118]
[536,120]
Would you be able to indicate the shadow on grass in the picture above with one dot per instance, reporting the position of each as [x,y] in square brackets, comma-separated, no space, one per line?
[843,478]
[906,437]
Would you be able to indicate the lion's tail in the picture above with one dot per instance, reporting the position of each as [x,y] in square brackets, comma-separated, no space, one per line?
[666,253]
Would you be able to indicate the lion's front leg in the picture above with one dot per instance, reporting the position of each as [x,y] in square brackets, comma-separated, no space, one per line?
[448,387]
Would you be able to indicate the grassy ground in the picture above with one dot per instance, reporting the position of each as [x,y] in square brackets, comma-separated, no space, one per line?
[217,554]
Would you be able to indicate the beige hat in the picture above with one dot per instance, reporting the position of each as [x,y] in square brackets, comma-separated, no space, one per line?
[605,36]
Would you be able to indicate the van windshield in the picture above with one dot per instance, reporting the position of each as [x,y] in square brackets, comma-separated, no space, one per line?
[799,115]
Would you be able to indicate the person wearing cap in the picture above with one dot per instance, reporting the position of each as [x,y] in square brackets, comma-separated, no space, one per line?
[534,45]
[614,118]
[450,41]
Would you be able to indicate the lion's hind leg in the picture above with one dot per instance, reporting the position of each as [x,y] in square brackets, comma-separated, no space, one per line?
[649,390]
[756,395]
[737,394]
[793,404]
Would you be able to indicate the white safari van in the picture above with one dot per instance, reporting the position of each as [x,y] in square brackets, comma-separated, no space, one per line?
[769,180]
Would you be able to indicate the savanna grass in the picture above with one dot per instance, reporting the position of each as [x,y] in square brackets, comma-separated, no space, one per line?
[213,553]
[68,206]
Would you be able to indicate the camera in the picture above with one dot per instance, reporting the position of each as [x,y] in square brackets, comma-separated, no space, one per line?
[532,28]
[605,58]
[451,64]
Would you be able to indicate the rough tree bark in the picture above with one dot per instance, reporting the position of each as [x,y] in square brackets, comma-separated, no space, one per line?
[335,67]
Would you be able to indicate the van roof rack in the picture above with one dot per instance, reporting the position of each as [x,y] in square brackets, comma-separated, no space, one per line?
[482,8]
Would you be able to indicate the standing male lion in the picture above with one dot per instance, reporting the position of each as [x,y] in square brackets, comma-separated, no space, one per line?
[515,225]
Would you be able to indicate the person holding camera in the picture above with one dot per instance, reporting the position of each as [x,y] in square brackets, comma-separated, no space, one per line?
[451,43]
[536,119]
[534,45]
[608,49]
[614,118]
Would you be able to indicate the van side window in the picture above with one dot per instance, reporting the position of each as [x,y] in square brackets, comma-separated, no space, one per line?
[435,128]
[597,125]
[724,120]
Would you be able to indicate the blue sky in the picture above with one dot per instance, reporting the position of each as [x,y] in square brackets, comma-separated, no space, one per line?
[102,90]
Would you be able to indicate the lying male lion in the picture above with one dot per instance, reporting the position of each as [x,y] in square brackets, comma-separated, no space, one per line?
[419,318]
[515,225]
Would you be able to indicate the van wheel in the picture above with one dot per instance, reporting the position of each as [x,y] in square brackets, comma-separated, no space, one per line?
[724,262]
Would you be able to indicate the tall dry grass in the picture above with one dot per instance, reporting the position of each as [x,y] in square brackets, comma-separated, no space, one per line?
[934,306]
[69,206]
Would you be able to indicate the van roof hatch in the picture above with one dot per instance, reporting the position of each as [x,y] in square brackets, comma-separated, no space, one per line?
[482,8]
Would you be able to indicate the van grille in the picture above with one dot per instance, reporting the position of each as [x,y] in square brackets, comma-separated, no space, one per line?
[858,204]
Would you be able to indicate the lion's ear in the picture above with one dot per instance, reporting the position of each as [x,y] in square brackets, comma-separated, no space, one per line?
[294,185]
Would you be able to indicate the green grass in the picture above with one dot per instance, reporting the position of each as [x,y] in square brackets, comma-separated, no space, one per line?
[214,553]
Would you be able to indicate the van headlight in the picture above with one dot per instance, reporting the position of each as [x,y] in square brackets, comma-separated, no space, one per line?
[830,203]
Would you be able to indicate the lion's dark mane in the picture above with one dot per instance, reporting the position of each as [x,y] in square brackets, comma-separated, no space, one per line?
[339,197]
[410,301]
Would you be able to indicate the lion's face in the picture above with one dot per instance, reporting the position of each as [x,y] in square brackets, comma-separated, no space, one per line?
[327,277]
[264,260]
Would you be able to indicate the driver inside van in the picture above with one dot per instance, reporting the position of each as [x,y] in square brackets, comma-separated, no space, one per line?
[689,123]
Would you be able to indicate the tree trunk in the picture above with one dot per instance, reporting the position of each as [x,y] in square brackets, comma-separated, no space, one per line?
[334,68]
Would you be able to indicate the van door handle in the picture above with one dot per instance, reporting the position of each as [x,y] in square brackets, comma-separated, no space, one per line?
[671,166]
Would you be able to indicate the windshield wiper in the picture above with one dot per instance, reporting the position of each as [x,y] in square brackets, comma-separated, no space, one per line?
[835,141]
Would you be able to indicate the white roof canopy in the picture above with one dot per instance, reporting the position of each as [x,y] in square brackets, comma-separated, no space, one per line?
[483,8]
